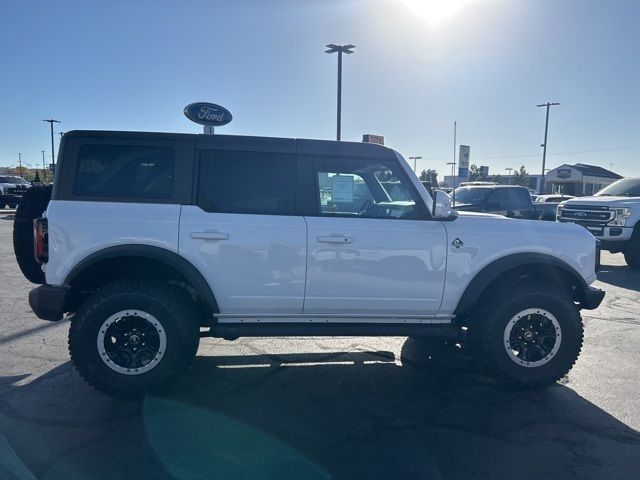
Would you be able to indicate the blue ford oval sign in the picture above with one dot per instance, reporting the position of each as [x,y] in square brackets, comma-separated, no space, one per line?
[208,114]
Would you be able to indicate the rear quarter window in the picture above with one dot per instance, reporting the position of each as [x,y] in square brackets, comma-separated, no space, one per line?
[127,171]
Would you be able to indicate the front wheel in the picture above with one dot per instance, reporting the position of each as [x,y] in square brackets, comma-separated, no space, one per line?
[531,334]
[632,250]
[134,336]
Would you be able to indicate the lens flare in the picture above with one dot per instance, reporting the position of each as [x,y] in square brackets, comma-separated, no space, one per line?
[436,11]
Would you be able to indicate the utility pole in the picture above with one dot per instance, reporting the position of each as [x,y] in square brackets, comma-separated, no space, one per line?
[332,48]
[509,169]
[20,163]
[51,121]
[544,145]
[415,163]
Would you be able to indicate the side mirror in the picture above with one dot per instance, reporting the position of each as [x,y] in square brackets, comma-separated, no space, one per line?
[442,205]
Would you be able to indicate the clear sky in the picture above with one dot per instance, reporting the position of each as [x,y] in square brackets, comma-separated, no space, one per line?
[417,67]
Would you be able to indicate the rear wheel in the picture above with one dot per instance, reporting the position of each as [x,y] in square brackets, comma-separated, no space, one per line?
[530,335]
[134,336]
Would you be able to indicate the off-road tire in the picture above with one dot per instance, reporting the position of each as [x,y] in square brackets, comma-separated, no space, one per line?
[34,202]
[169,304]
[632,250]
[498,308]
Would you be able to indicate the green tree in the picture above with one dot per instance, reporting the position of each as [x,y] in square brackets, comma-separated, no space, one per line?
[497,178]
[37,177]
[520,177]
[429,175]
[474,173]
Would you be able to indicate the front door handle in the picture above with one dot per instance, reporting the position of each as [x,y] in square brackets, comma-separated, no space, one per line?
[209,236]
[335,239]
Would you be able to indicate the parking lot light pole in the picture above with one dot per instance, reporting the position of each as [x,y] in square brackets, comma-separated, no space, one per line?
[333,48]
[415,163]
[20,163]
[51,121]
[544,145]
[509,169]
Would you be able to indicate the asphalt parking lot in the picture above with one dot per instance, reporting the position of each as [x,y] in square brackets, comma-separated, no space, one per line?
[298,408]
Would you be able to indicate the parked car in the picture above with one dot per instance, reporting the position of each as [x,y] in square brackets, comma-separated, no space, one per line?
[161,239]
[508,200]
[12,188]
[612,215]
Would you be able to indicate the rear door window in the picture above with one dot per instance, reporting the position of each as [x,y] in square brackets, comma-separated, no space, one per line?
[127,171]
[499,200]
[247,182]
[519,199]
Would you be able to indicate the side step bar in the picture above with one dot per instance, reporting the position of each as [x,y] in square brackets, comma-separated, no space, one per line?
[233,331]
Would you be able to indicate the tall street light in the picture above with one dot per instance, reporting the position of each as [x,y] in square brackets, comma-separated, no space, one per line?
[544,145]
[51,121]
[414,163]
[333,48]
[509,169]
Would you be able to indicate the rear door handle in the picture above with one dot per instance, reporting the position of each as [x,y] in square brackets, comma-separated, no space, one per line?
[335,239]
[209,236]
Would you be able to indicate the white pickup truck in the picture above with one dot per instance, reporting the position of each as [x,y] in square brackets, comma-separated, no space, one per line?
[152,240]
[612,215]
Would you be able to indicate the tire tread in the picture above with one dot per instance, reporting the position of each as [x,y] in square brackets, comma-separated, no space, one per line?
[494,303]
[172,297]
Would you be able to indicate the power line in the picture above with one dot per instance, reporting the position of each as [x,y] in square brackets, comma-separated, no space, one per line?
[536,155]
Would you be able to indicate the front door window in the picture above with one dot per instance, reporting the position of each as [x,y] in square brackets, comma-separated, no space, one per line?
[368,189]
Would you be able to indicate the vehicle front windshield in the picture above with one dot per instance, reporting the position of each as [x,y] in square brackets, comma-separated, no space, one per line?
[627,187]
[471,196]
[14,180]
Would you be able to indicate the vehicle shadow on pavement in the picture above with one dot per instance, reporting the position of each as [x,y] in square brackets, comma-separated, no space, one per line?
[620,276]
[343,415]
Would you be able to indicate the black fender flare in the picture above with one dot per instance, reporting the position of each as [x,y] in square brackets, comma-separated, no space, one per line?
[172,259]
[495,269]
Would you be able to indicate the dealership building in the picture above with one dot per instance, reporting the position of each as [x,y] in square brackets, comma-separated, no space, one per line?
[579,179]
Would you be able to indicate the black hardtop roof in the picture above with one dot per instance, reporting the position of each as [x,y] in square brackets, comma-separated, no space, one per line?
[246,142]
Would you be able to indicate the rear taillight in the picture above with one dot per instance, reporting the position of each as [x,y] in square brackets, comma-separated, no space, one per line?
[41,240]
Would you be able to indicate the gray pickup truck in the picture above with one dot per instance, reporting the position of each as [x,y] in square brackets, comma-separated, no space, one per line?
[508,200]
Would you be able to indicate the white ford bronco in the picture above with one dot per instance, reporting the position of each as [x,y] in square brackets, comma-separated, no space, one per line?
[151,241]
[612,215]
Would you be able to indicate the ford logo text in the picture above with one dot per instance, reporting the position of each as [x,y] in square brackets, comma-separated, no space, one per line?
[207,114]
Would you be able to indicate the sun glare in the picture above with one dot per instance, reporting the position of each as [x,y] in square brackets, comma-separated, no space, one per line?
[436,11]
